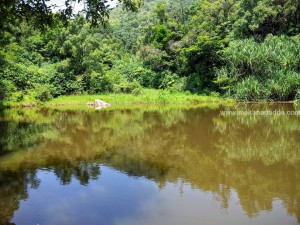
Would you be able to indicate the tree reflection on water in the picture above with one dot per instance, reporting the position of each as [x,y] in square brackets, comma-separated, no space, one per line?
[256,156]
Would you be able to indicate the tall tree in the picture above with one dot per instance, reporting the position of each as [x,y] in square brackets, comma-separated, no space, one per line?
[38,11]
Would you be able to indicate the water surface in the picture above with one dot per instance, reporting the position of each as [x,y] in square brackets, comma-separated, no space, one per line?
[149,165]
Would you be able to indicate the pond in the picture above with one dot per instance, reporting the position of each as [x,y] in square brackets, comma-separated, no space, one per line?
[150,165]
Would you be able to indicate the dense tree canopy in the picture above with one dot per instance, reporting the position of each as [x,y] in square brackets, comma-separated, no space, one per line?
[40,11]
[248,50]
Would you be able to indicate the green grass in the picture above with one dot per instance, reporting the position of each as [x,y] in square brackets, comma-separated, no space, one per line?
[148,96]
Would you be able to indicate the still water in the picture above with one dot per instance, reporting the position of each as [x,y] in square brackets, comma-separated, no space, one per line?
[149,165]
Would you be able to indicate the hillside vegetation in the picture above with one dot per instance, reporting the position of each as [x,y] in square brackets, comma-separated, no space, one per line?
[244,49]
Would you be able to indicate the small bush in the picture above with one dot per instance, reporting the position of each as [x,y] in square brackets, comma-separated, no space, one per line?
[215,94]
[17,96]
[249,90]
[168,79]
[126,87]
[101,83]
[162,98]
[7,89]
[283,86]
[297,97]
[41,93]
[131,71]
[178,85]
[137,91]
[267,70]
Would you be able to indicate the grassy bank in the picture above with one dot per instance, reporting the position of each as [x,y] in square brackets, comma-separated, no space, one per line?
[148,96]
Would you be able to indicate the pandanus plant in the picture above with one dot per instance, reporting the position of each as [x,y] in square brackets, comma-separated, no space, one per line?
[267,70]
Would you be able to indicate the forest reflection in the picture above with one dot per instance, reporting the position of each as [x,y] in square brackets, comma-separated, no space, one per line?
[256,156]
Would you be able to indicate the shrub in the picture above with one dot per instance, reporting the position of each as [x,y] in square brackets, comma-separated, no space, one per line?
[162,98]
[167,79]
[215,94]
[100,83]
[7,89]
[259,71]
[17,96]
[194,83]
[42,93]
[137,91]
[247,57]
[133,71]
[297,97]
[283,85]
[126,87]
[161,36]
[199,62]
[248,90]
[178,85]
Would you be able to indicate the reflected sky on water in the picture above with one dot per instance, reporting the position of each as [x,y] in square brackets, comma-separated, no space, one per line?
[149,165]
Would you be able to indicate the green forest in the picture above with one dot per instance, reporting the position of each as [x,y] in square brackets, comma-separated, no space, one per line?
[247,50]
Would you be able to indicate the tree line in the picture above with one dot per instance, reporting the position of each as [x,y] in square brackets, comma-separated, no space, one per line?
[247,50]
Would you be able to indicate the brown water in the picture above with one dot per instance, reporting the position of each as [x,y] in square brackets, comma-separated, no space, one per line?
[149,165]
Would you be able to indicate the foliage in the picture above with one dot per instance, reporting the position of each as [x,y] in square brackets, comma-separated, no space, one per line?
[260,18]
[142,96]
[201,59]
[161,36]
[248,50]
[7,88]
[260,71]
[40,13]
[297,97]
